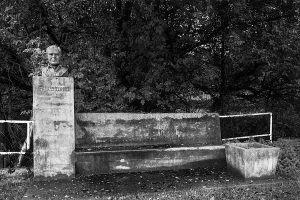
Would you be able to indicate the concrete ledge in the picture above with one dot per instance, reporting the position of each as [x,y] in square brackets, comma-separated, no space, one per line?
[103,162]
[115,130]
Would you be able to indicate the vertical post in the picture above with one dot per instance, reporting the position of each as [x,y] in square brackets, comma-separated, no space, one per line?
[271,127]
[54,128]
[28,135]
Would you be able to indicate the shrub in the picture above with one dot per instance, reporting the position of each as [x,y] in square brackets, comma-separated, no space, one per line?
[289,159]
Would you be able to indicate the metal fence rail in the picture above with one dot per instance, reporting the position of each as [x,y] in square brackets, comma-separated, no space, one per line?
[28,134]
[252,136]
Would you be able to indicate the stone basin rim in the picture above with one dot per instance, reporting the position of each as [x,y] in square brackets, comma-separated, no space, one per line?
[215,147]
[243,146]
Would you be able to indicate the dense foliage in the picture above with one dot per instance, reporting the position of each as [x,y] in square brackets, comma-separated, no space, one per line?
[227,56]
[289,159]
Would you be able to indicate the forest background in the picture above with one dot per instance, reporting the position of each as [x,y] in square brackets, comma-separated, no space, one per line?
[143,56]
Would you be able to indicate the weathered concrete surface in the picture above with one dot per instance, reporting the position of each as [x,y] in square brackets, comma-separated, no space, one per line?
[128,129]
[102,162]
[251,160]
[128,142]
[54,127]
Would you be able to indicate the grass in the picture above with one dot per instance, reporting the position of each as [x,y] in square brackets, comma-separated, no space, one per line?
[210,184]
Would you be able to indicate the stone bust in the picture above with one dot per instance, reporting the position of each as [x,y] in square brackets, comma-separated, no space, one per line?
[54,68]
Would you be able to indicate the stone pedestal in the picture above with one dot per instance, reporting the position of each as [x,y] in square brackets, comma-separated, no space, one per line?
[54,134]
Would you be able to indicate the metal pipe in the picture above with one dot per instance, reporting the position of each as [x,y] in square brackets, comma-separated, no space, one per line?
[242,115]
[271,127]
[245,137]
[10,153]
[15,121]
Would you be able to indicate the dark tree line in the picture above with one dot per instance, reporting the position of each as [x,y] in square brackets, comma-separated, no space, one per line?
[159,55]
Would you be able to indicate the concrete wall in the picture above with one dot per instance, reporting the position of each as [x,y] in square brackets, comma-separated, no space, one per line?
[103,162]
[112,130]
[127,142]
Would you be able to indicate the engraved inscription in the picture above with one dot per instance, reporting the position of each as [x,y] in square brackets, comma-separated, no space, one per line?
[55,88]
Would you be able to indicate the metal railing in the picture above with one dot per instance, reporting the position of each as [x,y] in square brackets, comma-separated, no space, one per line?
[252,136]
[30,123]
[28,135]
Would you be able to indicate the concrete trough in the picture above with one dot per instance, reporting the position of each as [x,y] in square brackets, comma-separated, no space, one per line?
[251,160]
[132,142]
[104,162]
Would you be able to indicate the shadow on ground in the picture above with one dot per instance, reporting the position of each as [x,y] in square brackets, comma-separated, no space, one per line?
[141,185]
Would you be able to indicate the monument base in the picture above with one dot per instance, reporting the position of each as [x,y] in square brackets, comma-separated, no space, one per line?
[54,134]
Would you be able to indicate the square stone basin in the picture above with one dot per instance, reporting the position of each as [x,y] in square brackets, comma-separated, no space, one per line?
[251,160]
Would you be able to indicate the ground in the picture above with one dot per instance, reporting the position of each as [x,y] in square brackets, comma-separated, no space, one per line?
[211,184]
[201,184]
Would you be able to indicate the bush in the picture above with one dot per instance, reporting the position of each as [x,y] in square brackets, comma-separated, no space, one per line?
[289,158]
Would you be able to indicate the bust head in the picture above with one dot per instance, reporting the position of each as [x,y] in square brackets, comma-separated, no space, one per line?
[53,55]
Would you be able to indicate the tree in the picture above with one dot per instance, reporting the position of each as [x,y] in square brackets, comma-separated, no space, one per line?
[159,55]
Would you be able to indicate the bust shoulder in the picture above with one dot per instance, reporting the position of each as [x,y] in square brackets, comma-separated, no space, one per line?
[63,71]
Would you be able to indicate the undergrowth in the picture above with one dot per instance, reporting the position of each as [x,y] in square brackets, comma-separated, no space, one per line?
[289,158]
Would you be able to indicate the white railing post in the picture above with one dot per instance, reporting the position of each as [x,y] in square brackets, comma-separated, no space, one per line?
[271,127]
